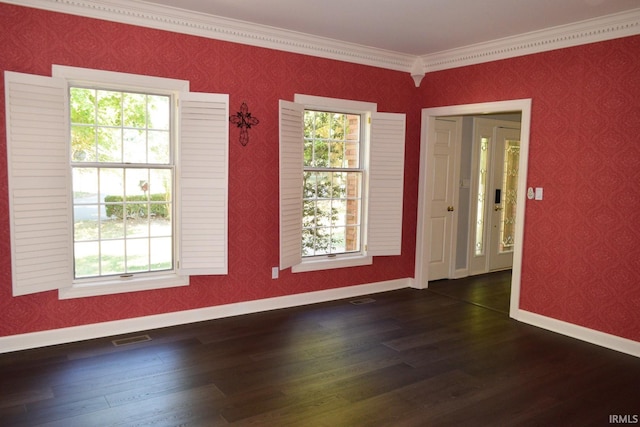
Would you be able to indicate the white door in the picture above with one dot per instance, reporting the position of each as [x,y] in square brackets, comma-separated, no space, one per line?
[442,155]
[503,205]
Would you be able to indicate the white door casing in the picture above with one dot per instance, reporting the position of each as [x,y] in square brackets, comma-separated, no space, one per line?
[421,274]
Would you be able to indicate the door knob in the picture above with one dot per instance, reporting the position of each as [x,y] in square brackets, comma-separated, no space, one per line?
[450,209]
[497,208]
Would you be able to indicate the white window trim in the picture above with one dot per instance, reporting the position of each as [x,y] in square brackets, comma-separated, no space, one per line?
[387,238]
[322,103]
[354,259]
[27,279]
[128,82]
[118,285]
[326,263]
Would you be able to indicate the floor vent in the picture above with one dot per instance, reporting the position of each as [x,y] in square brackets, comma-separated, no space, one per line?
[362,301]
[131,340]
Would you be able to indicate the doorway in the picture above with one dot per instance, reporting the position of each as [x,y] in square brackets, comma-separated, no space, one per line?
[495,147]
[423,232]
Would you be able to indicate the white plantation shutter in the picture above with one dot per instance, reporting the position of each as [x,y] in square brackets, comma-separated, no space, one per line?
[386,184]
[291,167]
[39,182]
[203,182]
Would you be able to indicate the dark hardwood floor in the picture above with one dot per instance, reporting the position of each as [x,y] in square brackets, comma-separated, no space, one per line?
[490,290]
[448,355]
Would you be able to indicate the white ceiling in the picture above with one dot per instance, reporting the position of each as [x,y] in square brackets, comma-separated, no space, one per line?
[414,27]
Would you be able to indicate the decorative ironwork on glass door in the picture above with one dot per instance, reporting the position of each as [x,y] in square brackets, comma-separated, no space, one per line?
[510,191]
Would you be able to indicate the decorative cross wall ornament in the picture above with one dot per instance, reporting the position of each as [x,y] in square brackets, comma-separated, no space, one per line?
[244,121]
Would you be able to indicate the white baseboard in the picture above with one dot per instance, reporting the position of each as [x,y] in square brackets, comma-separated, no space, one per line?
[119,327]
[592,336]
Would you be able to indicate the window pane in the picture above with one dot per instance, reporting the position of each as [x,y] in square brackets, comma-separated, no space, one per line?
[161,254]
[109,145]
[160,226]
[111,184]
[308,213]
[337,154]
[87,259]
[479,246]
[85,183]
[85,222]
[352,238]
[354,212]
[337,125]
[83,144]
[339,210]
[159,112]
[109,108]
[112,254]
[134,146]
[86,210]
[353,129]
[112,228]
[83,106]
[354,185]
[321,126]
[309,185]
[137,226]
[137,183]
[338,240]
[351,155]
[137,255]
[339,185]
[323,185]
[320,153]
[159,147]
[324,213]
[510,188]
[308,152]
[135,110]
[322,241]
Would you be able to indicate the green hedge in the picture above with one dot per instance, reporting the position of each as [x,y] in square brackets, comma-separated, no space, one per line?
[115,206]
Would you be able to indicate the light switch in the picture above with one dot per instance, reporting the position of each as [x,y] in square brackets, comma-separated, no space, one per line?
[538,193]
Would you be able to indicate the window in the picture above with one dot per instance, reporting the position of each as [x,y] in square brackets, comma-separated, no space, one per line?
[341,183]
[106,195]
[333,177]
[123,178]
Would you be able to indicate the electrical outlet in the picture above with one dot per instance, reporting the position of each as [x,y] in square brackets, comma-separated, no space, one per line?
[275,271]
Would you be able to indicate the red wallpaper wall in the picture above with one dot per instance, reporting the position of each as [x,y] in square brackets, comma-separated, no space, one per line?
[33,40]
[582,242]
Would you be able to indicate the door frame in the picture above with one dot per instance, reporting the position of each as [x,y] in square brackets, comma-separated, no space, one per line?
[421,273]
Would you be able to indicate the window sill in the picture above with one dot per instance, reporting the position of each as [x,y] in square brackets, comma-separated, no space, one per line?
[326,263]
[119,285]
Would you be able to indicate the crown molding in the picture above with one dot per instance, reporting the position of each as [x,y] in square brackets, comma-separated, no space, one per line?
[584,32]
[144,14]
[149,15]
